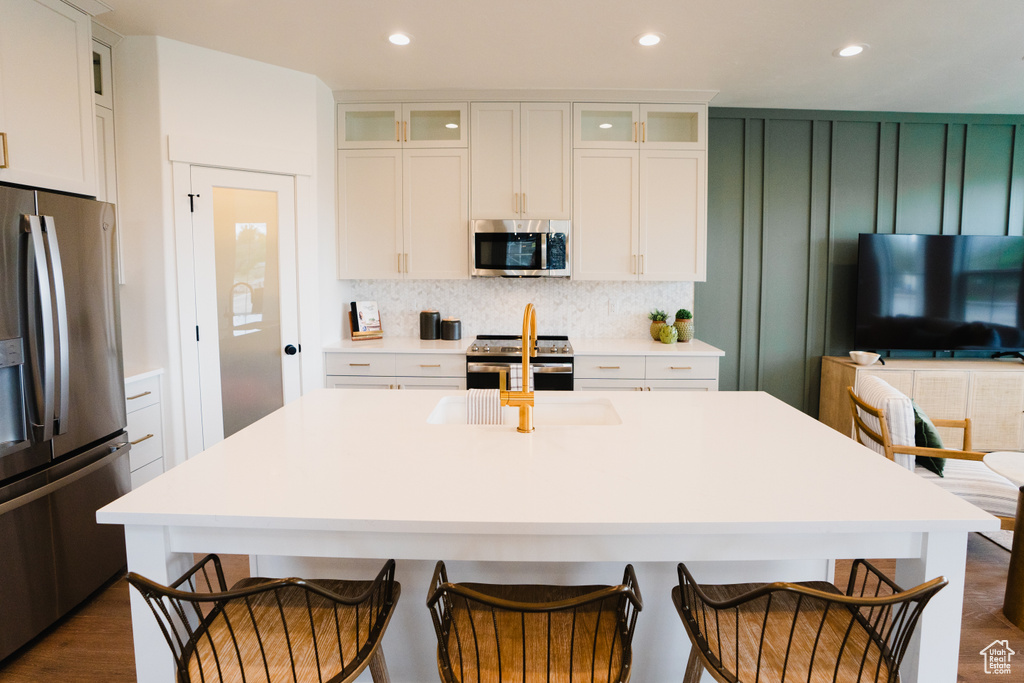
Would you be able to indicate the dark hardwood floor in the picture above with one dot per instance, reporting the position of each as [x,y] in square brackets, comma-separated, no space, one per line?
[93,644]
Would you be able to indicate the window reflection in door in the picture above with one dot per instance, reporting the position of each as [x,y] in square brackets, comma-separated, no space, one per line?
[248,305]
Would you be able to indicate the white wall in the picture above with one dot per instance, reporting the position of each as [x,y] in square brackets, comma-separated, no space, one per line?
[233,112]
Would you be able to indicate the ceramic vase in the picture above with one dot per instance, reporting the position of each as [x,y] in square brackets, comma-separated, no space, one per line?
[685,329]
[656,329]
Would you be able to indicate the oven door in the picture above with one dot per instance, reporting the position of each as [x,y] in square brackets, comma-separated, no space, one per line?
[547,375]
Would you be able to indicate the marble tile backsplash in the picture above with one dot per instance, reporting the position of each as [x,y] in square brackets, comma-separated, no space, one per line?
[495,305]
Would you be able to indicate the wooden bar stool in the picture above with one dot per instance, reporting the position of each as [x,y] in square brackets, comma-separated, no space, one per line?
[271,630]
[533,633]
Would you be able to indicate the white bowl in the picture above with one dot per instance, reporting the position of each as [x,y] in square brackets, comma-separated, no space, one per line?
[863,357]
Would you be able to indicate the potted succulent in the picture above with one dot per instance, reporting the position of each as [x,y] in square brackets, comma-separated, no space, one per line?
[684,324]
[658,320]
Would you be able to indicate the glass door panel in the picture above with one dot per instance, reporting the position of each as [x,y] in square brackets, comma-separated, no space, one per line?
[369,125]
[606,126]
[673,126]
[248,304]
[435,125]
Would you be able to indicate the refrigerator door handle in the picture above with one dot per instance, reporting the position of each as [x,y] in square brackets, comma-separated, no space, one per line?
[64,369]
[40,331]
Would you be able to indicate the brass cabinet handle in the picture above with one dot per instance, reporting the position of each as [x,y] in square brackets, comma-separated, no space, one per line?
[524,202]
[642,270]
[398,132]
[515,202]
[407,262]
[435,365]
[144,393]
[634,131]
[643,132]
[138,441]
[3,151]
[609,367]
[686,367]
[405,128]
[359,365]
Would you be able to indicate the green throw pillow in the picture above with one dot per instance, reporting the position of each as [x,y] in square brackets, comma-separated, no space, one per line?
[927,436]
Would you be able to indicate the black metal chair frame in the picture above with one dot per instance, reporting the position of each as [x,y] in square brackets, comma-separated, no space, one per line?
[887,613]
[444,595]
[186,617]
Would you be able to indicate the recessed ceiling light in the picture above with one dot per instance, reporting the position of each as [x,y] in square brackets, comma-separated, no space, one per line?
[850,50]
[399,38]
[648,39]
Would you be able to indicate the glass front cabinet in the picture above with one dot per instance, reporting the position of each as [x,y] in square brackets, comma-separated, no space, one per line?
[395,125]
[632,126]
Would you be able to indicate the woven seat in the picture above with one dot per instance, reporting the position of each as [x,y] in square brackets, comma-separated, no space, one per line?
[533,633]
[808,631]
[271,630]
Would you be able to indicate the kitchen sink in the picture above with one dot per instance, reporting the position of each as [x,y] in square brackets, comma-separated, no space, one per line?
[550,410]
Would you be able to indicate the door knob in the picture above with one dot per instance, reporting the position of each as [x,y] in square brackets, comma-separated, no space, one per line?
[290,350]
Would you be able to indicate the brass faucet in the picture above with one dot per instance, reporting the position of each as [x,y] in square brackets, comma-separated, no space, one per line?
[524,397]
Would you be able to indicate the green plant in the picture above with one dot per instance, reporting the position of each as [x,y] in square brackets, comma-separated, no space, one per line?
[658,315]
[683,314]
[668,334]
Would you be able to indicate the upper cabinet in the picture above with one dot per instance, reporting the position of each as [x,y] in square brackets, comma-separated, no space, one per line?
[391,125]
[47,122]
[644,126]
[519,159]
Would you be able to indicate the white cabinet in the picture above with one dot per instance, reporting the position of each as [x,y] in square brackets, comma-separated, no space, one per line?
[355,370]
[47,124]
[145,427]
[630,126]
[519,160]
[640,215]
[659,372]
[402,125]
[640,192]
[990,392]
[403,214]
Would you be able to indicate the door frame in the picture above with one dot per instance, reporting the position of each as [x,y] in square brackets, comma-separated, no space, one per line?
[185,152]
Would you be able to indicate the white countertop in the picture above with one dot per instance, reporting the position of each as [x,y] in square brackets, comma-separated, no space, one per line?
[633,346]
[694,463]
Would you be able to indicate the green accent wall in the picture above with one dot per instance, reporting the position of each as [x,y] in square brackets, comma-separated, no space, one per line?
[788,193]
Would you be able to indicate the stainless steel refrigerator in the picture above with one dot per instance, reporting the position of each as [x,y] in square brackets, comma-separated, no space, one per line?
[63,447]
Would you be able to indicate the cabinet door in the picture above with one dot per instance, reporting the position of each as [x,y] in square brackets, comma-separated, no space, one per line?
[545,178]
[102,78]
[370,214]
[996,409]
[495,160]
[606,125]
[673,126]
[673,224]
[943,394]
[436,214]
[46,96]
[440,124]
[363,126]
[606,186]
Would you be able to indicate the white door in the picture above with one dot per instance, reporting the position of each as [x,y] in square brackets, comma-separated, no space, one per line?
[243,227]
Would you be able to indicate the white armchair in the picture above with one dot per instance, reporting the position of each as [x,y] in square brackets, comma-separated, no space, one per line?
[883,420]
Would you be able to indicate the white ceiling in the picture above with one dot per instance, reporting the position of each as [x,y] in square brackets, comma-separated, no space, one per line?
[961,56]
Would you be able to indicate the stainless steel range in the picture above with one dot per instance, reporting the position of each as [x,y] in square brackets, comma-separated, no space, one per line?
[488,355]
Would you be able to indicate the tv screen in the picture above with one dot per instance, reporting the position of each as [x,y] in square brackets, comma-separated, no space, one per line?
[940,293]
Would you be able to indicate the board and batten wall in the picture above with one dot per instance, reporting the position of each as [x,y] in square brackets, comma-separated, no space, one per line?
[788,194]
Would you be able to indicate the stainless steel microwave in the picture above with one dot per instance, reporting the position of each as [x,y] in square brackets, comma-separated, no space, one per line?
[520,248]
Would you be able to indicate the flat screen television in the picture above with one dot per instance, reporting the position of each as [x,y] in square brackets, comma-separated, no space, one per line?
[940,293]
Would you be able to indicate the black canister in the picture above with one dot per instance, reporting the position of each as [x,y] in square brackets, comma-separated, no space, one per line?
[430,324]
[451,329]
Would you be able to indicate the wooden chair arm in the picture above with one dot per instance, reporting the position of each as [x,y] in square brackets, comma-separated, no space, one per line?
[939,452]
[964,424]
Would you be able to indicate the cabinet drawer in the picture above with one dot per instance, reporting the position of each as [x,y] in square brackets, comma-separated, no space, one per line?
[359,382]
[142,393]
[146,435]
[634,384]
[682,367]
[609,367]
[430,365]
[147,472]
[682,385]
[369,364]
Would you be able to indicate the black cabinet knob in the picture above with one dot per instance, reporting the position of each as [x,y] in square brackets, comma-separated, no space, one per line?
[290,350]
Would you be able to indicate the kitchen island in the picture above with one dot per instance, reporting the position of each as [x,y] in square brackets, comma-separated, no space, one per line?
[737,484]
